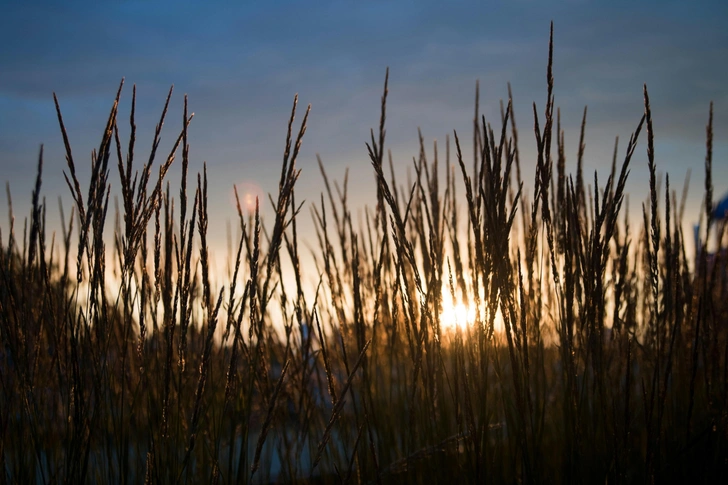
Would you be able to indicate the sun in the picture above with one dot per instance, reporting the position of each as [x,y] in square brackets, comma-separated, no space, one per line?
[456,315]
[460,315]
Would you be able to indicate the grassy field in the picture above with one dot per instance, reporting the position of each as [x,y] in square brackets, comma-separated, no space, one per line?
[462,333]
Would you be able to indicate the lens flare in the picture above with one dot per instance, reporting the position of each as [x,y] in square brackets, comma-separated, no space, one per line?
[247,193]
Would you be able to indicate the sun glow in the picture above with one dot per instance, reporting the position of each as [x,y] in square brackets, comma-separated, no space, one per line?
[463,315]
[458,315]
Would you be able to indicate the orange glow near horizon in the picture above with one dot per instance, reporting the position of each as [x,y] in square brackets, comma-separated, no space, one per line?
[456,315]
[461,315]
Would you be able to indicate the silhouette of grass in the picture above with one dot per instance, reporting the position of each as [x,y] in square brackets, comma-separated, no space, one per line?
[597,350]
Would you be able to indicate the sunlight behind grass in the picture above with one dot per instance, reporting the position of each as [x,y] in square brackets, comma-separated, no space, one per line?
[456,315]
[585,347]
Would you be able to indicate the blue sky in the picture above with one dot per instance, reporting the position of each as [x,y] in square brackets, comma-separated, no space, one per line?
[242,62]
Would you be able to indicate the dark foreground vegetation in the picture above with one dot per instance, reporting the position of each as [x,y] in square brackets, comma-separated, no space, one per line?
[597,351]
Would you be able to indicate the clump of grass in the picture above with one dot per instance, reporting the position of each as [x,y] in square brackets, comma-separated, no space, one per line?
[595,349]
